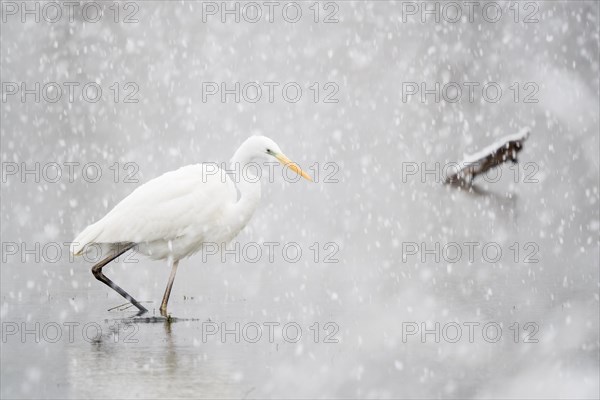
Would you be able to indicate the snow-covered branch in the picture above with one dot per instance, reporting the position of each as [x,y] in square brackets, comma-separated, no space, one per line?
[501,151]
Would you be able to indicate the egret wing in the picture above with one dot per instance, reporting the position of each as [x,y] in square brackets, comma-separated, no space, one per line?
[167,207]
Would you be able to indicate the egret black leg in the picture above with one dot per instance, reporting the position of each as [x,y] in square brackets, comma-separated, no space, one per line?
[97,271]
[163,306]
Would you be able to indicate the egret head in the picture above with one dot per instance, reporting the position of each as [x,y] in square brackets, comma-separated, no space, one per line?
[264,149]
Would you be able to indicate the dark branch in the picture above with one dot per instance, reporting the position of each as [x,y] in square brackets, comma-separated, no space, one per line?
[504,150]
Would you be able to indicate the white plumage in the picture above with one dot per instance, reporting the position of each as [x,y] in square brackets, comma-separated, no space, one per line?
[175,214]
[171,215]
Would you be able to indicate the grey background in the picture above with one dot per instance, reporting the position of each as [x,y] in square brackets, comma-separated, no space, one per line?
[369,213]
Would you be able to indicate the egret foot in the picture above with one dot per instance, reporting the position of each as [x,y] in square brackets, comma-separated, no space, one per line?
[163,311]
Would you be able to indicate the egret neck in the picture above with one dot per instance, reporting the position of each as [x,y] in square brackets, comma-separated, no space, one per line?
[247,185]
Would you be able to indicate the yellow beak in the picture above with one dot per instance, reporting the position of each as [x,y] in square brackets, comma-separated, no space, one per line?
[293,166]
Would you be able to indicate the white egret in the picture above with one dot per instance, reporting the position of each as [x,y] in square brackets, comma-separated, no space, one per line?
[172,216]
